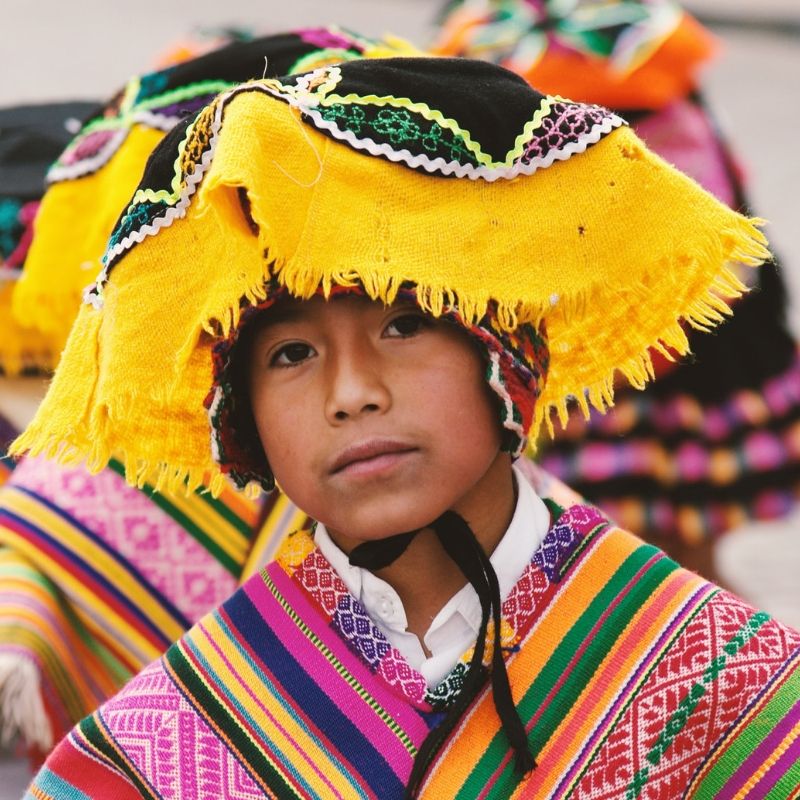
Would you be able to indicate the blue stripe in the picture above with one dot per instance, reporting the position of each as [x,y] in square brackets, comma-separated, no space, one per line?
[165,602]
[225,688]
[277,695]
[127,602]
[54,786]
[321,709]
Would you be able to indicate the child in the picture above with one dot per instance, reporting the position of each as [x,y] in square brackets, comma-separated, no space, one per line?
[390,272]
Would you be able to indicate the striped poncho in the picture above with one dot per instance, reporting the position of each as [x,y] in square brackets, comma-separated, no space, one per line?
[635,678]
[98,578]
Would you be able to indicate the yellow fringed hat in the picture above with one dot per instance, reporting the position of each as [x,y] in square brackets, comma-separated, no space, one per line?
[450,176]
[93,178]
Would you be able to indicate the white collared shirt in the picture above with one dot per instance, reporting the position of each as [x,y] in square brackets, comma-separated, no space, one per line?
[454,629]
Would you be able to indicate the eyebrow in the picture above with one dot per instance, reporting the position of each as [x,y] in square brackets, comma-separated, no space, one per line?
[282,312]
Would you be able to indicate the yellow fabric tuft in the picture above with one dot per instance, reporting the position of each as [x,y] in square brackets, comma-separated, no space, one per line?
[21,346]
[611,249]
[71,230]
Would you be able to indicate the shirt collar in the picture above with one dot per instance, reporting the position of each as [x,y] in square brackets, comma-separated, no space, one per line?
[512,555]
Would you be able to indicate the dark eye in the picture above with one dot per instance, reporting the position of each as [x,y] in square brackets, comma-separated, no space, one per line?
[406,325]
[291,355]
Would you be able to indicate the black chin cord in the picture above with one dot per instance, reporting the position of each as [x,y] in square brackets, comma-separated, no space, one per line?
[462,546]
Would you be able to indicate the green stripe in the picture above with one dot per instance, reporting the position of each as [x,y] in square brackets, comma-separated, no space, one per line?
[18,630]
[27,573]
[732,756]
[234,567]
[96,734]
[583,545]
[580,674]
[120,673]
[701,602]
[209,707]
[191,90]
[787,785]
[62,682]
[689,702]
[340,668]
[227,513]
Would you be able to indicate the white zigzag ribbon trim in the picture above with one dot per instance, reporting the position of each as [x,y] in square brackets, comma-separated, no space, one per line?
[498,387]
[489,174]
[92,294]
[67,172]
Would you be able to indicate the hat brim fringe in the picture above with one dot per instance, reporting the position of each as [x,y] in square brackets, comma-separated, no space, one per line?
[704,311]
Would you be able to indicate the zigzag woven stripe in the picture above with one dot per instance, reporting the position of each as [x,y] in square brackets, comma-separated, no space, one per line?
[291,694]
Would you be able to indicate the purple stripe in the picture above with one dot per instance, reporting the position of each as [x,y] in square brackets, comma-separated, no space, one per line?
[391,699]
[756,759]
[690,606]
[44,613]
[761,699]
[243,716]
[325,676]
[777,771]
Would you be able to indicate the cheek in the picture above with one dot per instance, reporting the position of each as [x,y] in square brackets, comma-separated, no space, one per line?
[458,406]
[285,427]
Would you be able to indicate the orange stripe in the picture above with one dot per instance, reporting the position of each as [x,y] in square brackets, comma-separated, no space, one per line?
[576,593]
[610,677]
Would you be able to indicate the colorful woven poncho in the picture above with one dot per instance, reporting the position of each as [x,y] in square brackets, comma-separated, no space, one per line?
[635,678]
[289,689]
[715,441]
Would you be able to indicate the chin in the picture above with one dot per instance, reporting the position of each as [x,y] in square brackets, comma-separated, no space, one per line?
[382,521]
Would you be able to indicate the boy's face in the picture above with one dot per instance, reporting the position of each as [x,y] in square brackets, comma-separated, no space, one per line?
[375,420]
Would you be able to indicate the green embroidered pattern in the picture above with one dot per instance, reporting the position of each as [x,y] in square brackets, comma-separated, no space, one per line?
[677,721]
[400,128]
[381,123]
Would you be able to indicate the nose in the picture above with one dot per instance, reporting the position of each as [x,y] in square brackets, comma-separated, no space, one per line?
[356,386]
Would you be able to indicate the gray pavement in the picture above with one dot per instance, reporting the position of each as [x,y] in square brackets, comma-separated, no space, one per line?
[88,49]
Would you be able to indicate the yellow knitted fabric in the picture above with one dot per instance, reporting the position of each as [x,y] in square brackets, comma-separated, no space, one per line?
[77,216]
[70,235]
[21,346]
[611,248]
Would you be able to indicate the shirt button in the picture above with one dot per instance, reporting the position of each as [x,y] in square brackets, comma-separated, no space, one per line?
[386,608]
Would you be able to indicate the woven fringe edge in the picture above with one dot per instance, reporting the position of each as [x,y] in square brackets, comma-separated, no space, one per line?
[139,472]
[747,245]
[22,711]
